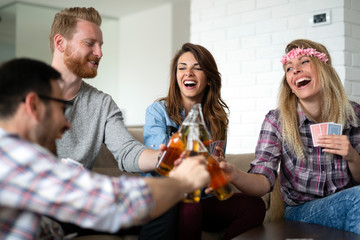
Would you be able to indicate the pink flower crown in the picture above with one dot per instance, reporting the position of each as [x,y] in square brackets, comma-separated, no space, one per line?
[301,51]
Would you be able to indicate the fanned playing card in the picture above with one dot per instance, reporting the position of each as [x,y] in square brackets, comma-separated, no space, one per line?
[334,129]
[320,129]
[315,133]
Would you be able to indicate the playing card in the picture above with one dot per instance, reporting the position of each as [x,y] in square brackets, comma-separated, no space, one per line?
[323,128]
[334,129]
[215,152]
[328,128]
[315,133]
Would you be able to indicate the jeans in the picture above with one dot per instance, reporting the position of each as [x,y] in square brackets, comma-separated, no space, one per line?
[340,210]
[233,216]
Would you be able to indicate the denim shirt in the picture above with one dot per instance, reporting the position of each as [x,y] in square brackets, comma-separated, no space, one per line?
[158,129]
[158,126]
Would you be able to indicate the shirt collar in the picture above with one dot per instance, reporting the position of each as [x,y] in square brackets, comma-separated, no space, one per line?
[302,115]
[4,133]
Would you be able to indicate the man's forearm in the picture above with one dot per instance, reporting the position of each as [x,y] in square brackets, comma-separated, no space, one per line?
[148,159]
[166,192]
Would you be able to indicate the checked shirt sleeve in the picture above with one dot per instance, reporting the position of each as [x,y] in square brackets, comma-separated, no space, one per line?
[34,181]
[268,149]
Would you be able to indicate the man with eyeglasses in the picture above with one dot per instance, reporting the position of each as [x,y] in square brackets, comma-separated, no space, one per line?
[35,184]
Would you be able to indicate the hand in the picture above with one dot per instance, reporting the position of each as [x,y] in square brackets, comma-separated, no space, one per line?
[180,159]
[162,147]
[229,169]
[338,144]
[192,172]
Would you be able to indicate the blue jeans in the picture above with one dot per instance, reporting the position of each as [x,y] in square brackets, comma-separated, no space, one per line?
[340,210]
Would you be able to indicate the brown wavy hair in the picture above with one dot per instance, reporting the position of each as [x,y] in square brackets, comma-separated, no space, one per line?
[66,20]
[335,106]
[214,108]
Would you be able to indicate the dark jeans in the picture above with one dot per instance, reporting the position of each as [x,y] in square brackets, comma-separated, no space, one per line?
[236,215]
[163,227]
[187,220]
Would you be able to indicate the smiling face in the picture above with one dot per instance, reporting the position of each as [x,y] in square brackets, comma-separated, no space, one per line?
[191,79]
[302,77]
[82,53]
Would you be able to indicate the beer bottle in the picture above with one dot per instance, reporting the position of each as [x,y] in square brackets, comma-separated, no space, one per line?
[204,134]
[175,146]
[218,179]
[193,148]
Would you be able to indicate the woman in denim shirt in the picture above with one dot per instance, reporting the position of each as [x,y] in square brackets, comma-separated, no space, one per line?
[195,79]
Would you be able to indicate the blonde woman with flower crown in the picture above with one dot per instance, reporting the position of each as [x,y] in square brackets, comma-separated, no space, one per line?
[319,184]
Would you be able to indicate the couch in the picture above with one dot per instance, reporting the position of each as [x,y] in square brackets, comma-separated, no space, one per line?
[106,164]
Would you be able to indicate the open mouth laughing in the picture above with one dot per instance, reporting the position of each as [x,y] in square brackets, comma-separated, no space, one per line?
[302,82]
[189,83]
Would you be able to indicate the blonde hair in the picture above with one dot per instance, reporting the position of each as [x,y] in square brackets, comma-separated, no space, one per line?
[66,20]
[335,106]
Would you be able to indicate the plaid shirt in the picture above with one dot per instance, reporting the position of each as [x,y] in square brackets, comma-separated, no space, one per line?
[319,175]
[33,183]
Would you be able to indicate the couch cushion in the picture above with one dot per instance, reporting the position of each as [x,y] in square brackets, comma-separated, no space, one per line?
[137,133]
[241,161]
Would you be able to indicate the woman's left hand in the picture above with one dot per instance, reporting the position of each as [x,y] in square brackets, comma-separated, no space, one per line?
[338,144]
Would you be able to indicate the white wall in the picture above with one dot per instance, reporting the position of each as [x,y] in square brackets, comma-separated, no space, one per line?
[107,79]
[248,38]
[32,40]
[33,24]
[7,33]
[145,50]
[148,40]
[352,48]
[137,50]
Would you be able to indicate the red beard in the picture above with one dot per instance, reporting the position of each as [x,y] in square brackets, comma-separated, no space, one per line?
[78,65]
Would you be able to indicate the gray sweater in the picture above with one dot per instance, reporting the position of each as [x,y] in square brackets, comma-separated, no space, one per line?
[95,119]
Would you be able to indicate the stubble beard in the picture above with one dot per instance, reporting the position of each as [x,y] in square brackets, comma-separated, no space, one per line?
[45,135]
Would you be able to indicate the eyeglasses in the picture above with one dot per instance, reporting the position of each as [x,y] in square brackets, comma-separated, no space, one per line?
[67,104]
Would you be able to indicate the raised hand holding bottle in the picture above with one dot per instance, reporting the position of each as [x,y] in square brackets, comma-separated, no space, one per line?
[175,146]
